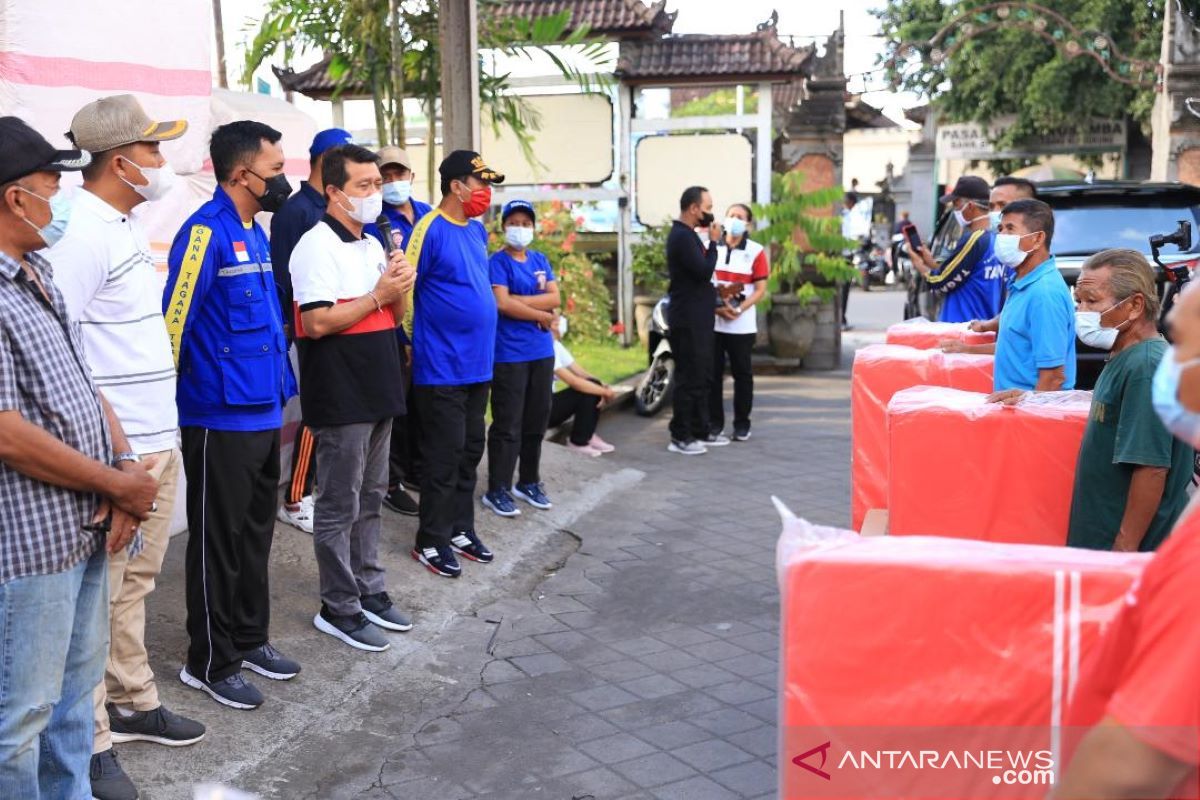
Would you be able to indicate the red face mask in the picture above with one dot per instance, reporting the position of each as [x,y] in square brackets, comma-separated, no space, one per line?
[480,201]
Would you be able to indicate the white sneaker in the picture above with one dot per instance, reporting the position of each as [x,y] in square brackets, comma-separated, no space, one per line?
[597,443]
[300,519]
[715,440]
[692,448]
[584,449]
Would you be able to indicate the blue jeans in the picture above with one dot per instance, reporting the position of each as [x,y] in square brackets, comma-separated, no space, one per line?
[53,643]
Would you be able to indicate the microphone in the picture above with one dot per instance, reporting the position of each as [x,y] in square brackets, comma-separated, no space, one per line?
[385,228]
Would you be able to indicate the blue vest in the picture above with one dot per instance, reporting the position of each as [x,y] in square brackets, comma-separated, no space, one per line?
[223,318]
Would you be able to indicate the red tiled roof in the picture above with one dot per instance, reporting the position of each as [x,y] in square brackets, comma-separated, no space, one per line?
[694,57]
[614,18]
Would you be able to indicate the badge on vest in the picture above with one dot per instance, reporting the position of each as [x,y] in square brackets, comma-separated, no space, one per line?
[240,252]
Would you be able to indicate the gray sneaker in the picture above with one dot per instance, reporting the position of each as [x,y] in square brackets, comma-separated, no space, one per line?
[355,630]
[692,448]
[159,725]
[717,439]
[379,609]
[109,781]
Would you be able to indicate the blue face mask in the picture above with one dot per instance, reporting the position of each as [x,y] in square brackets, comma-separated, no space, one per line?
[735,226]
[1164,394]
[396,193]
[994,220]
[60,215]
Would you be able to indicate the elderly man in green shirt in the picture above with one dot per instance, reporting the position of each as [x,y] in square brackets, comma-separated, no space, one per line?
[1132,477]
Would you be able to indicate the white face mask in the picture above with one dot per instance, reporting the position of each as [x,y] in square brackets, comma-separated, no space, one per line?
[397,192]
[364,209]
[1092,333]
[1008,249]
[159,180]
[562,326]
[518,236]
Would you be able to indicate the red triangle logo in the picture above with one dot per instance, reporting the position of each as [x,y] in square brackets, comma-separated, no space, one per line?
[823,749]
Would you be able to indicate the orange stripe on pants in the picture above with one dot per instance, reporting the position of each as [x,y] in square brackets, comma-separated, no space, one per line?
[300,466]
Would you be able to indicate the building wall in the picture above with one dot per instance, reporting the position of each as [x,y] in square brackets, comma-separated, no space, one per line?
[867,151]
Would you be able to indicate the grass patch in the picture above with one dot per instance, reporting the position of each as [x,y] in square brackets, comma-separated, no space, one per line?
[609,361]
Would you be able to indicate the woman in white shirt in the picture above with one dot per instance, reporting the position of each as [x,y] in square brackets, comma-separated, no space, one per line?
[741,279]
[582,398]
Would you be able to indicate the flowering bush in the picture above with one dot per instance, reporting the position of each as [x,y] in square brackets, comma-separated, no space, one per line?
[586,301]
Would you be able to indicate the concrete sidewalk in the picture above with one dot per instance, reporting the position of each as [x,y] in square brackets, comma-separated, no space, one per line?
[345,701]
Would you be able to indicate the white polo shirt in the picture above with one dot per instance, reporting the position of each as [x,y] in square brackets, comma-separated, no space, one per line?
[743,265]
[104,270]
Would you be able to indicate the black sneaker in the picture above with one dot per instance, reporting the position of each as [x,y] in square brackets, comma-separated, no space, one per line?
[160,726]
[467,545]
[354,629]
[270,663]
[401,502]
[379,609]
[439,560]
[109,781]
[741,434]
[234,691]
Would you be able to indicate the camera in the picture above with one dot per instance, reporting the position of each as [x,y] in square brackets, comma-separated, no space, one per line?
[1181,238]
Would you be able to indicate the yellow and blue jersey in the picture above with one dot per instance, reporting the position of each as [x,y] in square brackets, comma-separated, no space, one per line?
[972,278]
[452,323]
[224,323]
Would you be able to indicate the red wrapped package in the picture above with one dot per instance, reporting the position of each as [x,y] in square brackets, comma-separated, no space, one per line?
[925,335]
[896,647]
[881,370]
[960,466]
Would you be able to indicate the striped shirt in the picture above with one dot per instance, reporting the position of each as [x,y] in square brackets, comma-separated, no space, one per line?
[45,377]
[112,290]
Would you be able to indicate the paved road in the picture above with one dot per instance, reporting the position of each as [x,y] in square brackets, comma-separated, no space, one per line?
[645,666]
[631,654]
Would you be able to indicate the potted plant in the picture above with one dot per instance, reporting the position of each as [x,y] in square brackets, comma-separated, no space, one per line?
[808,264]
[650,277]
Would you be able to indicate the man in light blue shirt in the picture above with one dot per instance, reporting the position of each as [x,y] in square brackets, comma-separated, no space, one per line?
[1035,350]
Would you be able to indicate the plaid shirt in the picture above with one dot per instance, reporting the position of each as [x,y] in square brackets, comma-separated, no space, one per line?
[44,376]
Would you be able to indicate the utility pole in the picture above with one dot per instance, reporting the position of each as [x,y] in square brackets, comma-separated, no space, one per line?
[459,34]
[219,30]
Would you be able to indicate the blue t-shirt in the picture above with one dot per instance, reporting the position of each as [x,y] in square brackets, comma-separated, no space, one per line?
[521,339]
[1037,330]
[454,310]
[972,279]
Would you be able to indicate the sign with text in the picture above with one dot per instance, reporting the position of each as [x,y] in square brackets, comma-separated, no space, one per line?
[975,140]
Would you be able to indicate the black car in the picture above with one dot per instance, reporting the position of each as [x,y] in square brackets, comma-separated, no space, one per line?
[1088,218]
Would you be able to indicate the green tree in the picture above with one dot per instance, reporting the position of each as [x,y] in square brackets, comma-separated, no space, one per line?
[718,102]
[804,239]
[1013,71]
[390,47]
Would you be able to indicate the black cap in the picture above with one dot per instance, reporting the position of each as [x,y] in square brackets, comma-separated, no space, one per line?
[465,162]
[969,187]
[24,151]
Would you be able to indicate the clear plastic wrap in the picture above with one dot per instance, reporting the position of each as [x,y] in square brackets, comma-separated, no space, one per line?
[879,372]
[959,466]
[930,643]
[925,335]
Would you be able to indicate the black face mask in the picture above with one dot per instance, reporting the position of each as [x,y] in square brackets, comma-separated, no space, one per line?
[706,219]
[277,192]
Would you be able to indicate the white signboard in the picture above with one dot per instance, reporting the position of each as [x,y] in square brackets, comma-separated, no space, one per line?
[974,140]
[666,165]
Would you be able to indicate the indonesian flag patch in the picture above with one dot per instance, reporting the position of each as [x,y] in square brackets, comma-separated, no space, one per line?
[239,250]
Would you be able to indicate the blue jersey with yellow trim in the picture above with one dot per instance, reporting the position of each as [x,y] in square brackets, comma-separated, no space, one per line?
[452,321]
[972,279]
[223,319]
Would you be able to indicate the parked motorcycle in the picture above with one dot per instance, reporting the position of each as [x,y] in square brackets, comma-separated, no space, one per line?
[654,390]
[870,262]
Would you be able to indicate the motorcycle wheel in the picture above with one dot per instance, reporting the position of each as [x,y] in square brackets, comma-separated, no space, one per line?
[655,388]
